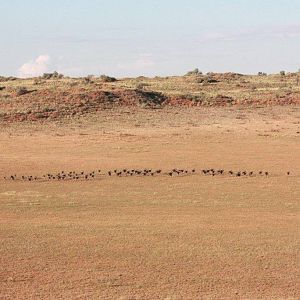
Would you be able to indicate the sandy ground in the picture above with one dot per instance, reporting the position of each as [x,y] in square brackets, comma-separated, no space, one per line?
[162,237]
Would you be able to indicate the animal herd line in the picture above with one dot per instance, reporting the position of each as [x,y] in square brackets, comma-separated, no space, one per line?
[97,174]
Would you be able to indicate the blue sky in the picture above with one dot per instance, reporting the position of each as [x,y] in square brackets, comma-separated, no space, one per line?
[148,37]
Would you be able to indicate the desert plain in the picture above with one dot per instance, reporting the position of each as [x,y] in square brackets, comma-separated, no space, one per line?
[186,236]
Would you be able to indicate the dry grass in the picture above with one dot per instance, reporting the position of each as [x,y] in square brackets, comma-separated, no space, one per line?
[59,94]
[153,238]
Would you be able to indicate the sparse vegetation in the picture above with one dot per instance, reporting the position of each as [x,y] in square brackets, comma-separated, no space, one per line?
[194,72]
[262,74]
[88,79]
[54,75]
[21,91]
[142,85]
[78,96]
[10,78]
[167,236]
[106,78]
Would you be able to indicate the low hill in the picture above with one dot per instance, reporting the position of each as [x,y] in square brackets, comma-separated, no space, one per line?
[54,97]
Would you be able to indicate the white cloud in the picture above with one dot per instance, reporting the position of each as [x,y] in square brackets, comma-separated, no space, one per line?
[34,67]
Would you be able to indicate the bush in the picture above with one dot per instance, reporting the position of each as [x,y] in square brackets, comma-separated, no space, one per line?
[106,78]
[88,79]
[262,74]
[3,79]
[38,81]
[21,91]
[142,85]
[282,73]
[207,80]
[194,72]
[47,76]
[54,75]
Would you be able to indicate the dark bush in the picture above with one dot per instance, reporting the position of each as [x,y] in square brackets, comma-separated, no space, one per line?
[88,79]
[21,91]
[194,72]
[150,98]
[54,75]
[207,80]
[282,73]
[3,79]
[106,78]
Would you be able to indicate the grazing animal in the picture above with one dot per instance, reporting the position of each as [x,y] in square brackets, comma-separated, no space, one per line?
[72,175]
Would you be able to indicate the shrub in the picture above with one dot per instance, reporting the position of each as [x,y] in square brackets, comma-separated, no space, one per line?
[106,78]
[206,80]
[88,79]
[47,76]
[262,74]
[21,91]
[150,98]
[142,85]
[194,72]
[54,75]
[3,79]
[38,81]
[282,73]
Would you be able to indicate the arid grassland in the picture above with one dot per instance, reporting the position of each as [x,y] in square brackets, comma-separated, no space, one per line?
[51,97]
[186,236]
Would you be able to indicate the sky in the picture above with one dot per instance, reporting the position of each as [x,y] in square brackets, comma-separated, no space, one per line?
[124,38]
